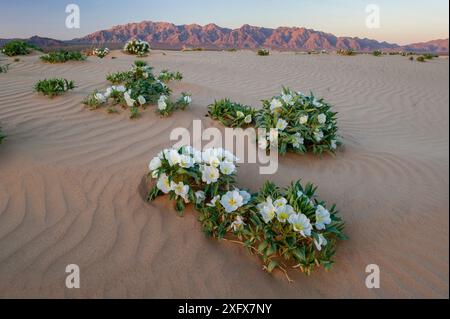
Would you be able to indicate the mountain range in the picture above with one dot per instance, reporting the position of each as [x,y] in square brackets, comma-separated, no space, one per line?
[211,36]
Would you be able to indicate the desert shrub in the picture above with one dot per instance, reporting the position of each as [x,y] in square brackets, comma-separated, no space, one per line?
[298,123]
[53,87]
[136,89]
[100,52]
[377,53]
[263,52]
[429,56]
[231,114]
[420,58]
[62,56]
[16,60]
[346,52]
[165,76]
[137,47]
[291,225]
[231,50]
[4,68]
[14,48]
[411,58]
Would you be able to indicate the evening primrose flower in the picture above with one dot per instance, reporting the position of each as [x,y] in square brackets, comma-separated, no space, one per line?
[322,118]
[321,242]
[210,174]
[323,217]
[173,157]
[318,135]
[248,119]
[333,144]
[181,190]
[120,88]
[155,163]
[279,203]
[186,161]
[301,224]
[237,224]
[227,168]
[284,212]
[281,125]
[231,201]
[187,99]
[267,210]
[141,100]
[275,105]
[304,119]
[130,102]
[239,114]
[213,201]
[163,184]
[299,140]
[288,99]
[246,197]
[162,103]
[100,97]
[200,197]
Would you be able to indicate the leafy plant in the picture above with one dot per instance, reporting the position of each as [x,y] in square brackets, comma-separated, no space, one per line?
[137,47]
[346,52]
[291,225]
[17,47]
[298,123]
[377,53]
[166,76]
[136,89]
[53,87]
[62,57]
[263,52]
[420,58]
[231,114]
[100,52]
[4,68]
[429,56]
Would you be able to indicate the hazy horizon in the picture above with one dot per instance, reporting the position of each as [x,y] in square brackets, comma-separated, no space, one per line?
[402,22]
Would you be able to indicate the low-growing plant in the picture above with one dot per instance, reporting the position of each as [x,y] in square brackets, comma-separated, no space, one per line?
[4,68]
[100,52]
[232,114]
[53,87]
[62,56]
[281,226]
[298,123]
[17,47]
[16,60]
[136,89]
[166,76]
[137,47]
[429,56]
[420,58]
[263,52]
[411,58]
[346,52]
[377,53]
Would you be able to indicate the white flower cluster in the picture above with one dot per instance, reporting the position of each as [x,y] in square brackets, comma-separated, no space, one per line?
[285,213]
[101,53]
[137,47]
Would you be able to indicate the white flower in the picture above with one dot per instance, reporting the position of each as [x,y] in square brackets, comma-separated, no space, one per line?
[232,201]
[237,224]
[186,161]
[155,163]
[141,100]
[301,224]
[267,210]
[318,135]
[100,97]
[299,140]
[322,242]
[120,88]
[130,102]
[246,197]
[262,143]
[288,99]
[227,168]
[279,203]
[333,144]
[162,104]
[323,218]
[173,157]
[213,201]
[187,99]
[163,184]
[281,124]
[200,196]
[181,190]
[239,114]
[275,105]
[214,161]
[248,119]
[284,212]
[322,118]
[145,75]
[317,103]
[304,119]
[210,174]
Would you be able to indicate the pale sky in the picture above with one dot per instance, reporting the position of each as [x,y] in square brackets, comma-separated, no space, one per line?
[402,21]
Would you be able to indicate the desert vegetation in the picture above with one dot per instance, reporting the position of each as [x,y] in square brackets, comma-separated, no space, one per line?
[231,114]
[100,52]
[62,56]
[53,87]
[4,68]
[137,47]
[16,47]
[346,52]
[263,52]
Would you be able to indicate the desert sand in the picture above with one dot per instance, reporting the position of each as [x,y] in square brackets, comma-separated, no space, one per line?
[71,191]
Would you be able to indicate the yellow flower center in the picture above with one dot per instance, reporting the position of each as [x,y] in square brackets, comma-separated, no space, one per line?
[232,202]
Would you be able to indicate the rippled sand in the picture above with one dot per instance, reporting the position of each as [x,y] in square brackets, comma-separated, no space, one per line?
[70,180]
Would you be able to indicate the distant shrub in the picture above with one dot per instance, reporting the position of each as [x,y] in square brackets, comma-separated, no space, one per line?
[4,68]
[14,48]
[411,58]
[137,47]
[166,76]
[263,52]
[231,114]
[101,53]
[62,57]
[346,52]
[231,50]
[377,53]
[53,87]
[430,56]
[16,60]
[421,58]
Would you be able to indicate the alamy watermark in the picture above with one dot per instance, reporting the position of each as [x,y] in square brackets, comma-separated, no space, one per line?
[73,19]
[73,277]
[373,20]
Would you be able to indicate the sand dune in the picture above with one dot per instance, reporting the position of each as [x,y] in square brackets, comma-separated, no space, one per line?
[70,181]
